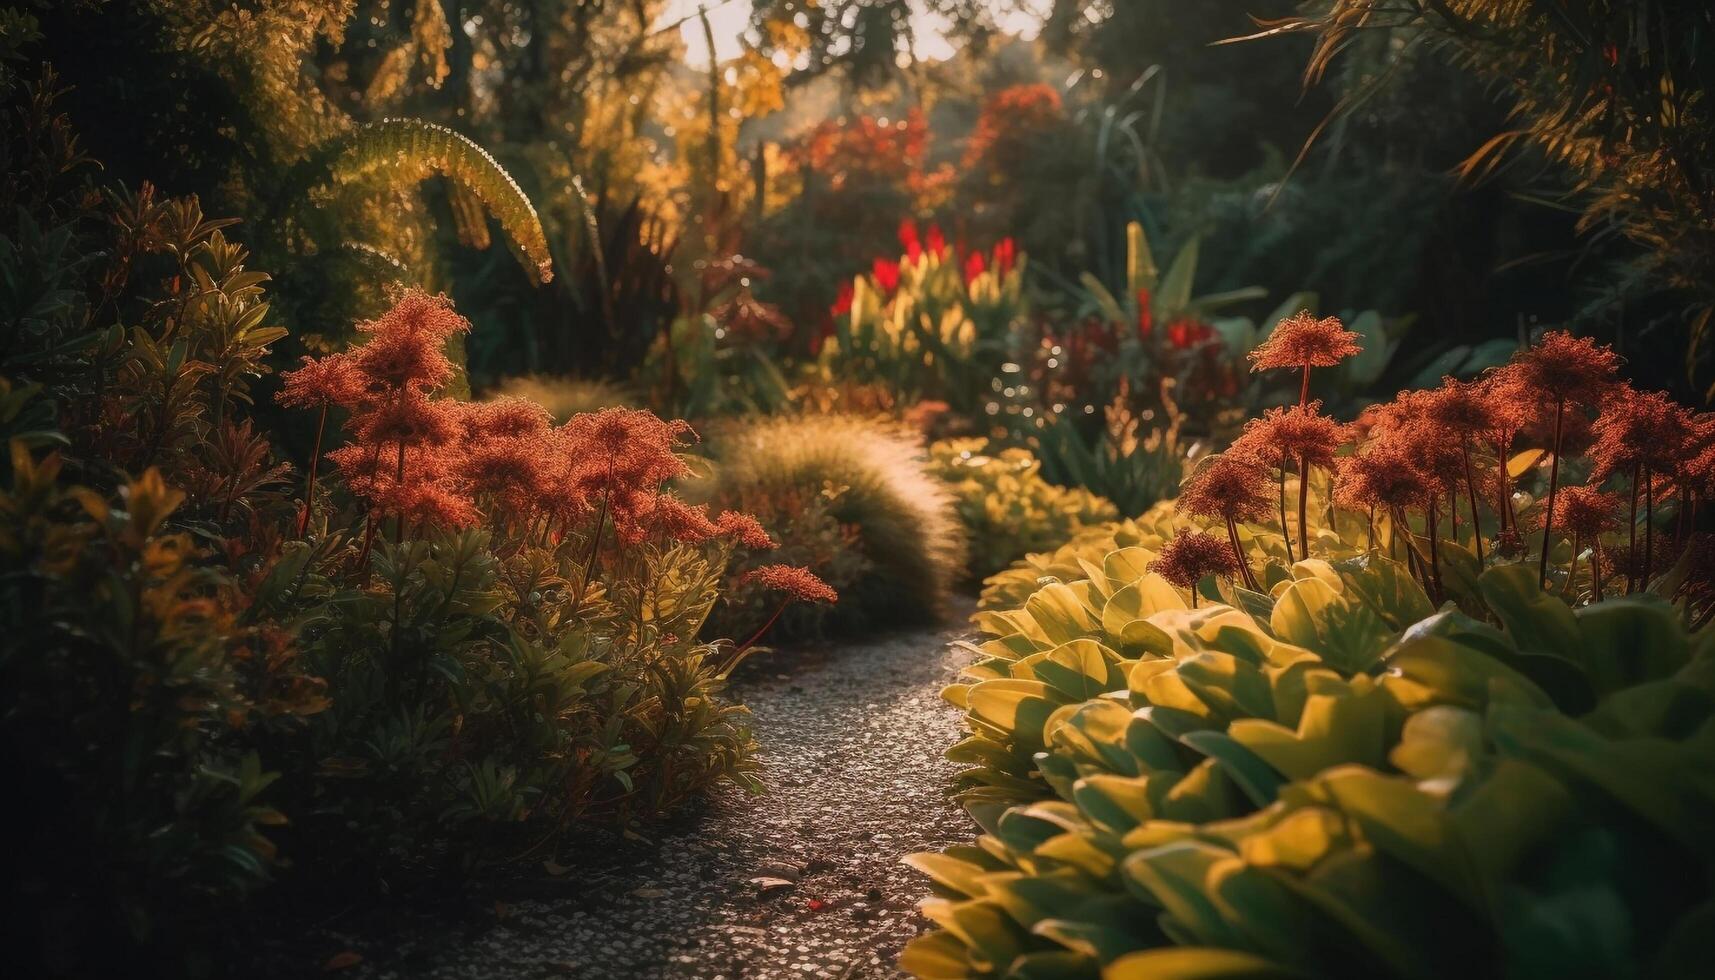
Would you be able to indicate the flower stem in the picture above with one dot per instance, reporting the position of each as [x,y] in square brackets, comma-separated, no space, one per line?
[1435,549]
[1471,488]
[1285,529]
[1596,567]
[310,481]
[1303,506]
[759,634]
[1553,486]
[1632,532]
[1238,552]
[1649,529]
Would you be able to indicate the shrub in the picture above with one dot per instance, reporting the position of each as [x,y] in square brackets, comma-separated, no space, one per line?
[889,542]
[565,397]
[1005,505]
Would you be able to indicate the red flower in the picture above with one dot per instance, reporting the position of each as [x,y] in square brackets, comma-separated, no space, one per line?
[1145,315]
[1639,429]
[1585,512]
[1229,487]
[1383,477]
[974,267]
[330,380]
[744,529]
[1562,367]
[935,242]
[1304,341]
[843,299]
[1186,333]
[796,583]
[909,241]
[1005,256]
[887,275]
[1191,555]
[1300,432]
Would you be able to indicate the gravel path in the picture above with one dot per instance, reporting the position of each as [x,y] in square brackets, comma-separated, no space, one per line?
[802,881]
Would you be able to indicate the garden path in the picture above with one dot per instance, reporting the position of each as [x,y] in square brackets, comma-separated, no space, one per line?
[802,881]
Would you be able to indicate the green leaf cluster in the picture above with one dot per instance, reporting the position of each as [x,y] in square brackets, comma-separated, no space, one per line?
[1007,508]
[1332,780]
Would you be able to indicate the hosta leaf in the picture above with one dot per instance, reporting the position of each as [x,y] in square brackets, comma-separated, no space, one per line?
[1061,614]
[1254,777]
[1014,708]
[1192,963]
[936,956]
[991,938]
[1535,620]
[1179,877]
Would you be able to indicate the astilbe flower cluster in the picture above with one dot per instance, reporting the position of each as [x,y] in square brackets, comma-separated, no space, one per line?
[1300,436]
[431,462]
[1428,452]
[1303,342]
[1231,488]
[1192,555]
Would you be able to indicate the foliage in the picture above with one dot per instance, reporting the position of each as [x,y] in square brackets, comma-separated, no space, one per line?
[135,676]
[1613,96]
[563,398]
[1295,789]
[1288,781]
[935,324]
[885,529]
[1007,508]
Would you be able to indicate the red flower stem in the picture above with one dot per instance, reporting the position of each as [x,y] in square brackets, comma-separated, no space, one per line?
[1572,572]
[1649,529]
[1453,513]
[1285,530]
[1505,511]
[595,543]
[1596,567]
[1632,533]
[1239,553]
[1435,550]
[310,481]
[399,484]
[1471,489]
[368,542]
[1304,389]
[1553,487]
[1370,540]
[1303,506]
[764,630]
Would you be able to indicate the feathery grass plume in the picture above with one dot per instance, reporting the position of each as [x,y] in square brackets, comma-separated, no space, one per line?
[1557,370]
[1229,488]
[1303,342]
[873,480]
[1192,555]
[563,398]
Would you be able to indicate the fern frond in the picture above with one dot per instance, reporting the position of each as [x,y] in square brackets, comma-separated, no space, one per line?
[414,149]
[469,219]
